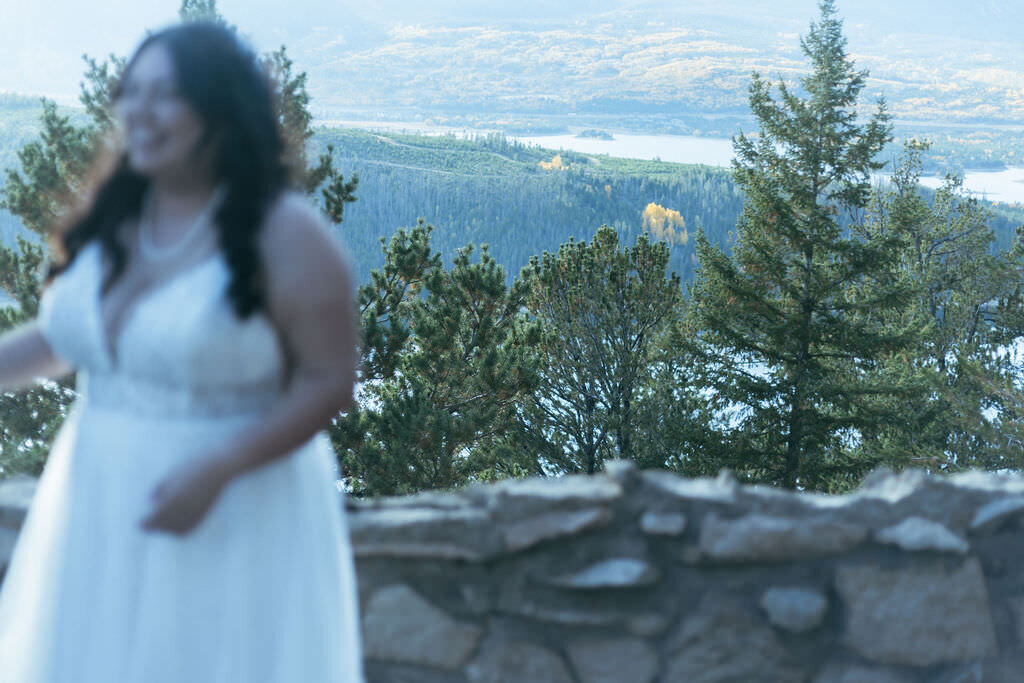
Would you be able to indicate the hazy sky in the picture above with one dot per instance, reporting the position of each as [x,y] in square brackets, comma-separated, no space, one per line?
[41,41]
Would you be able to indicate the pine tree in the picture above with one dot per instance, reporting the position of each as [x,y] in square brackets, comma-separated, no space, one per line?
[52,168]
[966,301]
[602,310]
[441,372]
[782,341]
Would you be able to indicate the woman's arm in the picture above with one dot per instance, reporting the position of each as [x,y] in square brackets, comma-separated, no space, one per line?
[310,301]
[26,356]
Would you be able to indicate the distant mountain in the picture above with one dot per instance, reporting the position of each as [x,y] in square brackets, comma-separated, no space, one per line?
[645,62]
[939,61]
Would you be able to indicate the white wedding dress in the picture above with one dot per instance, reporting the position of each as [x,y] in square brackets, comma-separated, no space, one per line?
[262,591]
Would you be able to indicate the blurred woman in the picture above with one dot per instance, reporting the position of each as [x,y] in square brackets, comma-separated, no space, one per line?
[187,527]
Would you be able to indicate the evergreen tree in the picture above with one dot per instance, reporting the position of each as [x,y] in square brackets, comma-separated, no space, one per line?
[783,343]
[53,168]
[441,374]
[602,311]
[966,301]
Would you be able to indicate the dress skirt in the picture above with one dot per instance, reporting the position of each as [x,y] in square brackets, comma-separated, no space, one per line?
[262,591]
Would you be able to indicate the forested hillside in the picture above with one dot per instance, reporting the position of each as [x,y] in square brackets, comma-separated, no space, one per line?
[522,201]
[519,201]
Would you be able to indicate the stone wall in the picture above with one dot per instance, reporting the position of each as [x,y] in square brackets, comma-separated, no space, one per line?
[15,496]
[642,577]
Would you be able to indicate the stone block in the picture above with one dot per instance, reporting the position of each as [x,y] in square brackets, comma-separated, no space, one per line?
[620,470]
[991,516]
[650,624]
[516,498]
[764,538]
[613,660]
[529,532]
[429,533]
[508,661]
[722,642]
[855,673]
[400,626]
[662,523]
[1016,604]
[918,616]
[794,609]
[617,572]
[722,489]
[918,533]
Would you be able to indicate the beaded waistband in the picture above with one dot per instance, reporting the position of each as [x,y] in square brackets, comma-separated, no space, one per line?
[156,399]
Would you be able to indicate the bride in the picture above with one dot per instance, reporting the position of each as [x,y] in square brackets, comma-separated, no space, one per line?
[187,527]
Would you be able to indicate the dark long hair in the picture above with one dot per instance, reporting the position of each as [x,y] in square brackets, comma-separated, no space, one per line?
[225,83]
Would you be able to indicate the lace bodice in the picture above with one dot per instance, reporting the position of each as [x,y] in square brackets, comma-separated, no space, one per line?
[180,350]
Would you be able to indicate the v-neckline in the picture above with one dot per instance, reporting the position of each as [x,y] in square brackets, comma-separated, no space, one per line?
[110,340]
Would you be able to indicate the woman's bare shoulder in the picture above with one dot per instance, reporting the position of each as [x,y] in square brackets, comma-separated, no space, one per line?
[294,226]
[301,257]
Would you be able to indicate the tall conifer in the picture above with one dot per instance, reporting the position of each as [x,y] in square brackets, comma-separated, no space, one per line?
[782,343]
[604,310]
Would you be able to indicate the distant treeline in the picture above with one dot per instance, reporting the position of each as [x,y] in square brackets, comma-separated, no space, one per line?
[522,201]
[518,200]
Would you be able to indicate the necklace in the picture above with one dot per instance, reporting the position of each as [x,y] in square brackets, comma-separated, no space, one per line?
[148,248]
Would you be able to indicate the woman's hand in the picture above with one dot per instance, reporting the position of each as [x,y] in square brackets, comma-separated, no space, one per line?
[184,497]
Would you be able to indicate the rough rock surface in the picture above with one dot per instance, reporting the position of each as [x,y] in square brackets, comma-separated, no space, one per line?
[996,513]
[794,609]
[539,528]
[424,634]
[723,642]
[766,538]
[506,661]
[662,523]
[918,533]
[618,572]
[613,660]
[855,673]
[917,615]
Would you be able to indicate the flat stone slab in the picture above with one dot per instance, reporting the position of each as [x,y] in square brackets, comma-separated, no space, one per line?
[917,534]
[401,626]
[662,523]
[613,660]
[918,616]
[764,538]
[529,532]
[514,498]
[794,609]
[722,489]
[503,661]
[618,572]
[991,516]
[448,534]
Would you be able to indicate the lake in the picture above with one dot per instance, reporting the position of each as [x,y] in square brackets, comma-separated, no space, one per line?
[997,186]
[683,149]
